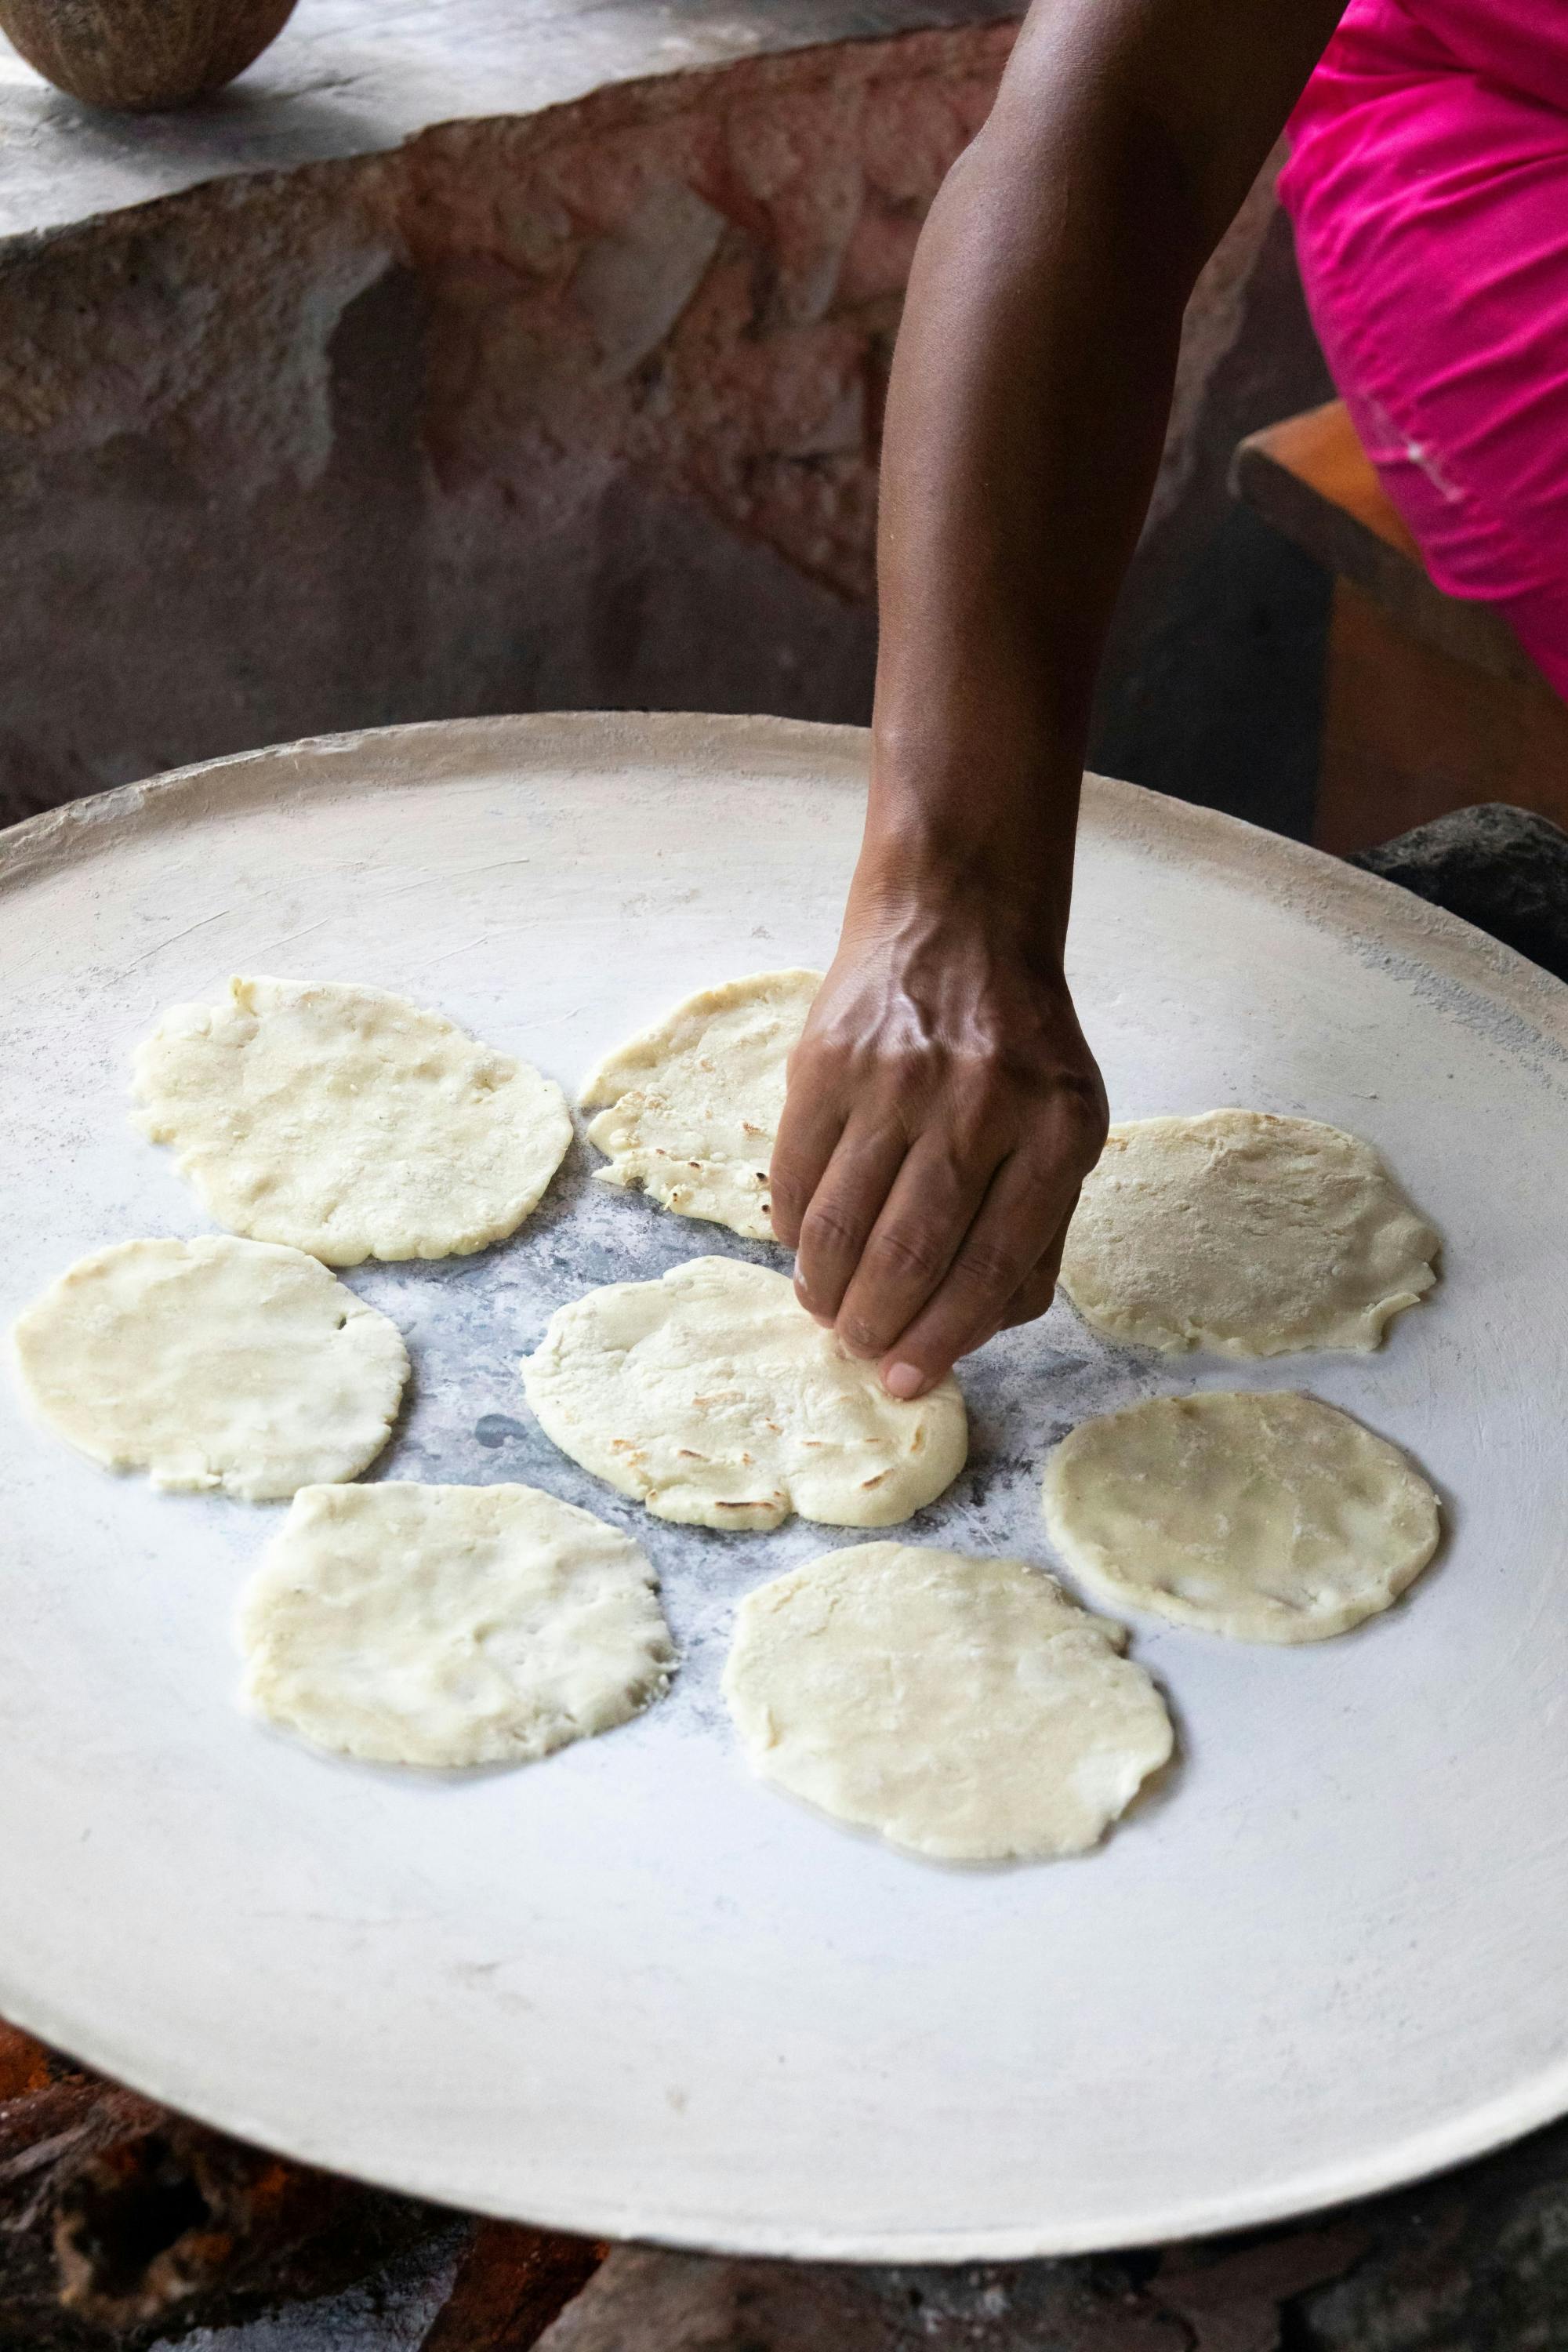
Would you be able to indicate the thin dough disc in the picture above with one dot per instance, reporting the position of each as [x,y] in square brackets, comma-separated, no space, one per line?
[1271,1518]
[713,1398]
[694,1104]
[450,1625]
[214,1362]
[1247,1233]
[963,1708]
[348,1122]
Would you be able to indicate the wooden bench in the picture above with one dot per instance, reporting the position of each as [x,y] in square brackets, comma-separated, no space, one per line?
[1429,704]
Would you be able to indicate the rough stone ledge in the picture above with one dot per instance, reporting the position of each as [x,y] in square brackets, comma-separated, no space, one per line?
[578,407]
[350,78]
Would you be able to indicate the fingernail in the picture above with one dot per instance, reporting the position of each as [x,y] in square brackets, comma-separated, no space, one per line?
[903,1380]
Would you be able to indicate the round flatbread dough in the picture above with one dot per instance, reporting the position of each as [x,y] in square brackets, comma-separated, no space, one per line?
[965,1709]
[450,1625]
[1271,1518]
[348,1122]
[694,1104]
[1244,1233]
[215,1362]
[714,1399]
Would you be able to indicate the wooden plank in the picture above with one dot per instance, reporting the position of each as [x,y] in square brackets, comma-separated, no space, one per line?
[1311,478]
[513,2284]
[1410,733]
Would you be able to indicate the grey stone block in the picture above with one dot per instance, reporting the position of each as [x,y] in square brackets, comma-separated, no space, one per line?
[1504,869]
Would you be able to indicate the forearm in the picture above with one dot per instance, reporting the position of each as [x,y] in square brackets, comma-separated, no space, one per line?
[1024,425]
[943,1107]
[1028,404]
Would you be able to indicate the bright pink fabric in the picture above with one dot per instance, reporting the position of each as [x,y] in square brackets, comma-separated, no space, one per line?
[1428,185]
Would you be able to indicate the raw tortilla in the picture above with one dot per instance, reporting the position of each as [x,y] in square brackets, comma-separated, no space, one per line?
[713,1398]
[348,1122]
[1247,1233]
[214,1362]
[694,1103]
[450,1625]
[965,1709]
[1271,1518]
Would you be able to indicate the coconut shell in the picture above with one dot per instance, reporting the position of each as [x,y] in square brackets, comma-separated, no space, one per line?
[137,56]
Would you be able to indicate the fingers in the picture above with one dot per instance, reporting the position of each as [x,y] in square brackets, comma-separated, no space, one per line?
[907,1251]
[929,1157]
[1012,1247]
[1029,1303]
[1036,1293]
[807,1137]
[844,1209]
[1033,1295]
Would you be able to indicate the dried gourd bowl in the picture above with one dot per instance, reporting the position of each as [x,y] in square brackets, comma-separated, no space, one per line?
[140,56]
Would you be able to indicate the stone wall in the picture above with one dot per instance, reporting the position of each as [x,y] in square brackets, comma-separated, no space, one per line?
[573,409]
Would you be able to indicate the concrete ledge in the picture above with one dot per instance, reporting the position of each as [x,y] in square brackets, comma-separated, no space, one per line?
[531,353]
[351,78]
[575,408]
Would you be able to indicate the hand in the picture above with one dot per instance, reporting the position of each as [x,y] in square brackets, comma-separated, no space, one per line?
[944,1110]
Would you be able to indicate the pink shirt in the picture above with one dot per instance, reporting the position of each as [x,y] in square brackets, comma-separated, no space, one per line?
[1521,45]
[1429,183]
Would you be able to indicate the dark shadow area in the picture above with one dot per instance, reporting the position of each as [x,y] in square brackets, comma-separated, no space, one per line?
[1225,704]
[1212,685]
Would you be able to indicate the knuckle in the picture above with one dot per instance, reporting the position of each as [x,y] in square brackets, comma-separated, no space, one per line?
[787,1200]
[977,1137]
[975,1073]
[991,1267]
[787,1188]
[815,1075]
[1061,1153]
[1088,1118]
[830,1231]
[908,1253]
[837,1036]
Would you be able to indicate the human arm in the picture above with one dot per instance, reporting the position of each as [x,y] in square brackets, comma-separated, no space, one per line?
[943,1107]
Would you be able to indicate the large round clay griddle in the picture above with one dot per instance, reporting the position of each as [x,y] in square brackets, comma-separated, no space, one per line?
[628,1990]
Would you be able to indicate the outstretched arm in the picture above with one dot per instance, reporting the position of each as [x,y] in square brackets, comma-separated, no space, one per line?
[943,1107]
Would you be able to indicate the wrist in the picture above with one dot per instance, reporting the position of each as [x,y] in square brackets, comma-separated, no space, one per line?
[1014,882]
[933,898]
[992,821]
